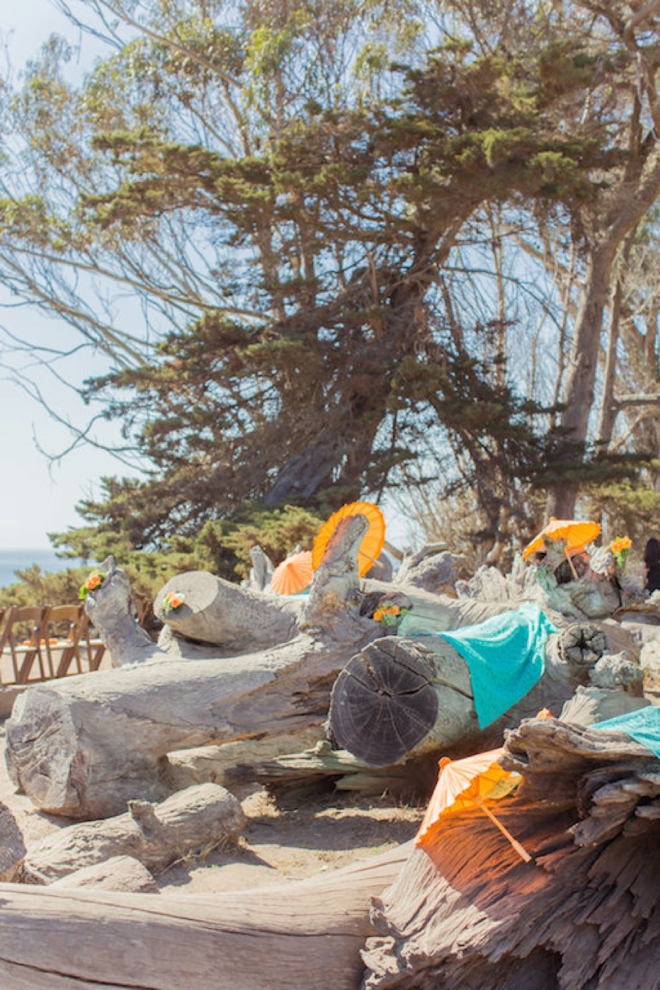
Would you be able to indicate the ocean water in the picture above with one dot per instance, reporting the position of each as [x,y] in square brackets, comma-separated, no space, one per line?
[19,560]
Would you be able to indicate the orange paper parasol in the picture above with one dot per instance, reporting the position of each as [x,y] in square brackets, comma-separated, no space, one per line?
[465,784]
[372,541]
[293,574]
[576,533]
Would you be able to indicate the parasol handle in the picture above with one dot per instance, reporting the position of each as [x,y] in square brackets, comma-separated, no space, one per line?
[571,565]
[522,852]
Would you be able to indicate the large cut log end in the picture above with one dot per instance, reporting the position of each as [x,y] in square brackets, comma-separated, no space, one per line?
[224,614]
[42,752]
[383,702]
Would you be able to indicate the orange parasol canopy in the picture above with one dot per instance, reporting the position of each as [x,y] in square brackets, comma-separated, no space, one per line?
[372,541]
[293,574]
[465,784]
[576,533]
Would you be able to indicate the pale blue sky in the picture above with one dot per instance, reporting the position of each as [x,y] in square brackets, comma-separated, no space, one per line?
[37,496]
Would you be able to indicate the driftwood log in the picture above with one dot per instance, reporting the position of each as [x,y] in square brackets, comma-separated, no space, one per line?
[83,746]
[232,618]
[466,911]
[305,935]
[123,873]
[399,696]
[190,822]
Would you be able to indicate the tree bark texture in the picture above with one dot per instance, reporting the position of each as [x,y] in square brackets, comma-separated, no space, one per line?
[122,873]
[12,847]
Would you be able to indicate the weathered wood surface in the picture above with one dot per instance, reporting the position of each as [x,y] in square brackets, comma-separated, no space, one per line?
[196,819]
[215,762]
[232,618]
[398,695]
[124,873]
[593,596]
[12,847]
[295,771]
[83,746]
[467,912]
[592,704]
[304,935]
[432,567]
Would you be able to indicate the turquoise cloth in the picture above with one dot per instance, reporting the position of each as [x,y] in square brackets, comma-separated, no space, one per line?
[642,725]
[505,656]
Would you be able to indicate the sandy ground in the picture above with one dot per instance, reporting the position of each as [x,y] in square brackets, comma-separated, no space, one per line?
[291,838]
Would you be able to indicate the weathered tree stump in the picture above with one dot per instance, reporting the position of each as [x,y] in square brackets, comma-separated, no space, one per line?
[582,644]
[466,911]
[189,822]
[305,935]
[432,567]
[232,618]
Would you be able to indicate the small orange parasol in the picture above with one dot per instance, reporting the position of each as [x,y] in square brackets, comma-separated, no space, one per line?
[465,784]
[293,574]
[372,541]
[576,533]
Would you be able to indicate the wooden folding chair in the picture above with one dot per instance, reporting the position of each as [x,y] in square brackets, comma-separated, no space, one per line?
[65,626]
[23,634]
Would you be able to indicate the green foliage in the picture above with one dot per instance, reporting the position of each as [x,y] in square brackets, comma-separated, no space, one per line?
[219,546]
[628,507]
[35,587]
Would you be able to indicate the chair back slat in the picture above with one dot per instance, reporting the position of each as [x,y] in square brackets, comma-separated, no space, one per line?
[39,643]
[23,636]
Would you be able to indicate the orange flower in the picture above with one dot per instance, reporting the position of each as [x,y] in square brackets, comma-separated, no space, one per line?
[621,543]
[378,615]
[172,601]
[94,581]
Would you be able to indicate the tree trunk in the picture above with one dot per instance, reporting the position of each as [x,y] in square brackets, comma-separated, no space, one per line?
[636,195]
[232,618]
[305,935]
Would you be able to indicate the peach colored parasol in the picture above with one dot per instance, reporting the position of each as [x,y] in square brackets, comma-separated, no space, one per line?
[465,784]
[293,574]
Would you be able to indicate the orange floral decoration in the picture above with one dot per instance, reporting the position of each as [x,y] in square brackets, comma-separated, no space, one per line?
[173,601]
[93,582]
[388,613]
